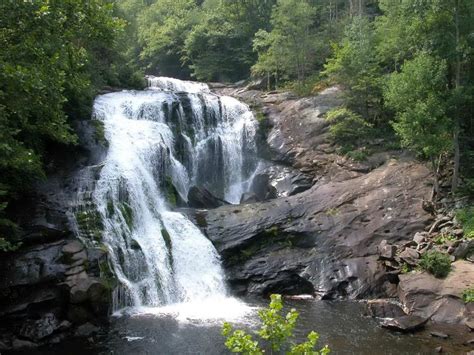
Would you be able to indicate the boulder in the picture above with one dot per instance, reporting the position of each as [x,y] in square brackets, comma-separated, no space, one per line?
[262,188]
[36,330]
[73,247]
[248,197]
[440,299]
[387,251]
[464,249]
[19,344]
[419,238]
[410,256]
[384,308]
[406,323]
[86,330]
[203,198]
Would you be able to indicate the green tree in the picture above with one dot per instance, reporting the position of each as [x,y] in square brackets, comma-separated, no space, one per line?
[288,49]
[163,28]
[444,29]
[55,55]
[220,46]
[354,66]
[418,96]
[276,331]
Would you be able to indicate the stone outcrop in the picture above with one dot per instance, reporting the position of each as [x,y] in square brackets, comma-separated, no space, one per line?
[324,240]
[54,282]
[438,299]
[199,197]
[323,236]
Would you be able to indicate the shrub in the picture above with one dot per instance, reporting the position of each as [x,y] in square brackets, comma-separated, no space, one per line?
[436,263]
[465,216]
[276,330]
[468,295]
[347,127]
[358,155]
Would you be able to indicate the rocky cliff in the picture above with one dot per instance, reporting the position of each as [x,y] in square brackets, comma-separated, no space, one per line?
[329,241]
[54,283]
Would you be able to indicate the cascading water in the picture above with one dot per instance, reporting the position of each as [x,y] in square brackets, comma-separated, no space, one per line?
[162,141]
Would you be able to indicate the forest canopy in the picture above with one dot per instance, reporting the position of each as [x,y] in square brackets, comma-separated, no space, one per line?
[406,67]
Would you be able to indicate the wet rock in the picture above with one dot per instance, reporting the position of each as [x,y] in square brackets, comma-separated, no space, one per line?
[202,198]
[384,309]
[73,247]
[248,197]
[405,323]
[286,181]
[86,330]
[4,346]
[78,291]
[410,256]
[439,335]
[38,329]
[439,349]
[64,325]
[426,296]
[470,323]
[262,188]
[19,344]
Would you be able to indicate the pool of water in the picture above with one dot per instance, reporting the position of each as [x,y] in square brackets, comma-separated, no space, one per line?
[341,325]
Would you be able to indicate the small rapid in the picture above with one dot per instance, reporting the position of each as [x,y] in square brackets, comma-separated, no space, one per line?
[162,141]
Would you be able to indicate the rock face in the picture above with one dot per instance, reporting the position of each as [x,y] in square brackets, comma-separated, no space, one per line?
[321,238]
[202,198]
[41,283]
[324,240]
[439,299]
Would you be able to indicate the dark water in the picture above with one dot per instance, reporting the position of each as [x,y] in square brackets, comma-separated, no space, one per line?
[342,325]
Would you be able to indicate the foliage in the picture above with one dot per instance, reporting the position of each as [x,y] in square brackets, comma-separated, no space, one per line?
[466,217]
[276,331]
[468,295]
[162,30]
[225,32]
[354,65]
[444,238]
[404,268]
[287,50]
[347,127]
[55,56]
[416,94]
[436,263]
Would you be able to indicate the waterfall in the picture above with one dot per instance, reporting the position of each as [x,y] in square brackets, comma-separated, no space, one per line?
[162,141]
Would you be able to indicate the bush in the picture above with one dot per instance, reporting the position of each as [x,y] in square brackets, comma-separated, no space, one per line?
[347,127]
[276,330]
[436,263]
[468,295]
[465,216]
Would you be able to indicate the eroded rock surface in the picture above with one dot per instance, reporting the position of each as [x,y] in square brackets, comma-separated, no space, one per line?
[439,299]
[325,239]
[321,238]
